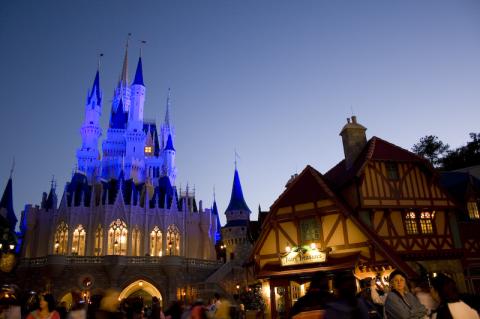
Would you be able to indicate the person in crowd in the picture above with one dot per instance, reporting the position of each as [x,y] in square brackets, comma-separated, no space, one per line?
[450,306]
[156,311]
[62,310]
[174,311]
[422,292]
[222,308]
[109,307]
[198,310]
[400,302]
[371,297]
[315,299]
[346,304]
[46,308]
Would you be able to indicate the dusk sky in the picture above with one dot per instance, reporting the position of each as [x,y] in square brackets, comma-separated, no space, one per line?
[274,80]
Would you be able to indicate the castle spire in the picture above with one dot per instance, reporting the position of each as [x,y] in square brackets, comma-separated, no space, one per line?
[237,202]
[95,92]
[167,112]
[139,73]
[169,145]
[6,205]
[124,75]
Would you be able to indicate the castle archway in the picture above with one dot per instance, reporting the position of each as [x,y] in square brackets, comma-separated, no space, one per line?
[141,288]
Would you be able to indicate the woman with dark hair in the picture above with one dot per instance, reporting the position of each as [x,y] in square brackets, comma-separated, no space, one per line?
[401,303]
[46,308]
[451,307]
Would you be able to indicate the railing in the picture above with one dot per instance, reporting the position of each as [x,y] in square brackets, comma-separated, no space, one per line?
[116,259]
[220,273]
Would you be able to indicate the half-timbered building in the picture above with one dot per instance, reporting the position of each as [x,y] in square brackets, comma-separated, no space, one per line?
[381,208]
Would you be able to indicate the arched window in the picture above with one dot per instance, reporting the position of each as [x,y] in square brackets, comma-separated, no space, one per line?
[156,242]
[136,241]
[173,241]
[411,223]
[98,241]
[61,239]
[426,222]
[117,238]
[78,242]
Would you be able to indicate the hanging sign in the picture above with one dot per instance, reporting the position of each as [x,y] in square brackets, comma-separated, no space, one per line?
[302,255]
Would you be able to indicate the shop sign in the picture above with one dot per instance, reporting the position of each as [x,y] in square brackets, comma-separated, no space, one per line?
[300,255]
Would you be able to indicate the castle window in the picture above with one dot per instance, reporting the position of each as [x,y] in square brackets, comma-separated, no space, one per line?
[426,224]
[472,208]
[148,150]
[411,223]
[61,239]
[309,230]
[173,241]
[98,241]
[78,242]
[136,242]
[392,171]
[117,238]
[156,242]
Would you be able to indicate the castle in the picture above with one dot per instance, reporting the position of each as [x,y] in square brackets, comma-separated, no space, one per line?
[121,221]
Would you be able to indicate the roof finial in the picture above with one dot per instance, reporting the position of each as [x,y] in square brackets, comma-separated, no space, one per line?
[351,109]
[99,57]
[167,113]
[13,167]
[214,193]
[236,156]
[52,182]
[124,75]
[141,46]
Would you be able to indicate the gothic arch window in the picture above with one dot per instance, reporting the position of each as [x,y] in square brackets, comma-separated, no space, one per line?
[136,241]
[61,239]
[78,242]
[156,242]
[173,241]
[117,238]
[98,241]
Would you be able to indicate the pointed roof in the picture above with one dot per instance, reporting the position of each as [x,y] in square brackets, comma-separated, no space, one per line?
[95,90]
[214,208]
[118,118]
[376,149]
[139,74]
[124,75]
[237,202]
[311,178]
[7,204]
[167,112]
[169,145]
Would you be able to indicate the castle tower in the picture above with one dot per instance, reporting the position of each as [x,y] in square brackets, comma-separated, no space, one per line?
[167,128]
[354,139]
[135,137]
[235,232]
[6,206]
[169,169]
[88,156]
[114,145]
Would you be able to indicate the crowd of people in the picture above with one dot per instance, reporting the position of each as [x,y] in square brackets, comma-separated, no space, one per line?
[108,306]
[435,299]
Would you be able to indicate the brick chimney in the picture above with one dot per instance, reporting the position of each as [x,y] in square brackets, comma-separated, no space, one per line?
[354,139]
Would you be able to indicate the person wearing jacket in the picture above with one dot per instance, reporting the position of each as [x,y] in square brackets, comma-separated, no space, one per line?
[400,302]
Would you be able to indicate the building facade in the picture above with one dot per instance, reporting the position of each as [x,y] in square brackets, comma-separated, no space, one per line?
[379,209]
[120,222]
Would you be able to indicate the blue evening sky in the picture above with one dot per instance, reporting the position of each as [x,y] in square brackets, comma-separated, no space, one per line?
[274,80]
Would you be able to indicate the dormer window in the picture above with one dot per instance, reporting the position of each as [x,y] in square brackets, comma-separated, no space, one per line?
[392,171]
[148,150]
[411,223]
[472,208]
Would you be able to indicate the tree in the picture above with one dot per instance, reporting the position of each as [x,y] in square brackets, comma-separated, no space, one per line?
[431,148]
[464,156]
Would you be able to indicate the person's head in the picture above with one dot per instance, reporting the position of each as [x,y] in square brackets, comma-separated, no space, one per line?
[444,289]
[365,283]
[319,282]
[47,302]
[398,281]
[155,299]
[345,284]
[216,296]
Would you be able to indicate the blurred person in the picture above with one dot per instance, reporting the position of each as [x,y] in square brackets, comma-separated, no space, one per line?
[369,293]
[423,294]
[109,306]
[46,308]
[445,291]
[346,304]
[400,302]
[314,301]
[156,311]
[174,311]
[198,310]
[222,308]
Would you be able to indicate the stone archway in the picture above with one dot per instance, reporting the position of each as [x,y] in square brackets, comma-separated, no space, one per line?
[140,288]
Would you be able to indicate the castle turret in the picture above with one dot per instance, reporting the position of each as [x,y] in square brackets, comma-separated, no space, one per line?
[6,206]
[88,156]
[169,168]
[135,137]
[354,139]
[234,233]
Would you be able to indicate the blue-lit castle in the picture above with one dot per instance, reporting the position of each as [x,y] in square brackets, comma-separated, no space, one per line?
[121,221]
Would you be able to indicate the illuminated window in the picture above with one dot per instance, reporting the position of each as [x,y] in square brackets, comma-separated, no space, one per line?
[98,241]
[173,241]
[392,171]
[411,223]
[148,150]
[473,210]
[61,239]
[309,230]
[117,238]
[78,241]
[156,242]
[426,222]
[136,242]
